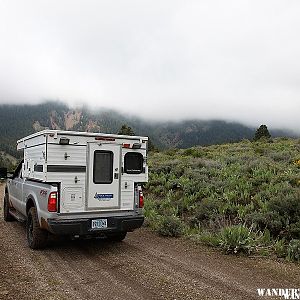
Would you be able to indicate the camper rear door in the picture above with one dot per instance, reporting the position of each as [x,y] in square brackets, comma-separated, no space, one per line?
[104,166]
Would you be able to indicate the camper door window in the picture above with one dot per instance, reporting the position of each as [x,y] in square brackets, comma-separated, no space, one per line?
[103,167]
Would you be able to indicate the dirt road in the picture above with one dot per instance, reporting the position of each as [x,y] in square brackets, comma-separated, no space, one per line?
[144,266]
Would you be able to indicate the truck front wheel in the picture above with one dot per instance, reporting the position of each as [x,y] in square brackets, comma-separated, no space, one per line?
[6,214]
[36,237]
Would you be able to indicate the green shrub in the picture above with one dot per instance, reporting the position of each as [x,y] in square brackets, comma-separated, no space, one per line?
[237,238]
[208,238]
[194,152]
[295,230]
[264,239]
[281,155]
[208,208]
[293,251]
[266,220]
[151,214]
[170,226]
[258,149]
[280,248]
[287,205]
[171,151]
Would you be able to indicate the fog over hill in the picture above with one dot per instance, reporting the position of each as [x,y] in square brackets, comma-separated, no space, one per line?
[163,60]
[20,120]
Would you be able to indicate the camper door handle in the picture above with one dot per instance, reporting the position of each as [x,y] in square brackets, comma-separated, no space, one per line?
[76,179]
[66,156]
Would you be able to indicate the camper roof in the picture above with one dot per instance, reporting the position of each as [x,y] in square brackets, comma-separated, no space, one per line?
[77,133]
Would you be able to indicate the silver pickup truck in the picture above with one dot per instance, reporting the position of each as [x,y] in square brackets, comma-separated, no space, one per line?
[77,184]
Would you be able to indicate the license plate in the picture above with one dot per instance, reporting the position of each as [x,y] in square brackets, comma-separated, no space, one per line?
[99,223]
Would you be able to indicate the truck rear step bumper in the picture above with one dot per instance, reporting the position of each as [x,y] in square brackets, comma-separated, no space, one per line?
[83,226]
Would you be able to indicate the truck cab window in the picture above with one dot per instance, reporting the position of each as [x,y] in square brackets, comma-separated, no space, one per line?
[133,163]
[18,170]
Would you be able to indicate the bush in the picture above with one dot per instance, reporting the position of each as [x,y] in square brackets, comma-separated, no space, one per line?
[295,230]
[265,220]
[151,215]
[237,238]
[170,226]
[280,248]
[207,209]
[293,250]
[287,205]
[194,152]
[208,239]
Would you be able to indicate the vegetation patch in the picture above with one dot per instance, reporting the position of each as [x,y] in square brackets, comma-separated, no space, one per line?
[242,197]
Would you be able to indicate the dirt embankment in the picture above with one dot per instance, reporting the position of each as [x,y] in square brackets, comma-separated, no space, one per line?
[144,266]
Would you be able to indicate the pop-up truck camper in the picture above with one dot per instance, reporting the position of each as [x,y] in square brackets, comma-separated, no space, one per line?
[78,184]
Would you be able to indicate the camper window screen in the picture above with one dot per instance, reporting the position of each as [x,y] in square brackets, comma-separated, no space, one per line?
[133,163]
[103,167]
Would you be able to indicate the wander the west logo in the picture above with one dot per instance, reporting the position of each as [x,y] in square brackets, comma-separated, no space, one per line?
[282,293]
[103,197]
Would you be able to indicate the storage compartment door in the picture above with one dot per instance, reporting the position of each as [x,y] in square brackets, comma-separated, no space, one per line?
[72,199]
[103,176]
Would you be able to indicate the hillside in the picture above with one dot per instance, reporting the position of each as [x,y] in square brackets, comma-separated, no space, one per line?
[17,121]
[8,161]
[240,197]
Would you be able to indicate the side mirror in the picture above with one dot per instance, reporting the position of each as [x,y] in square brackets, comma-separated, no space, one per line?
[10,175]
[3,173]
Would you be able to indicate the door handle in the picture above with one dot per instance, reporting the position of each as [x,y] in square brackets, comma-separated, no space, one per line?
[116,176]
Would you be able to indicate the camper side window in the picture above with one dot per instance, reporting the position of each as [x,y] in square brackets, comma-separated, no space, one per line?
[103,167]
[133,163]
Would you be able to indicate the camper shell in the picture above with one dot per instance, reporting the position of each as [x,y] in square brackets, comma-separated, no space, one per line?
[92,180]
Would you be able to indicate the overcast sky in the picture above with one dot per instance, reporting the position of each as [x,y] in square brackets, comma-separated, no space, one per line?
[166,59]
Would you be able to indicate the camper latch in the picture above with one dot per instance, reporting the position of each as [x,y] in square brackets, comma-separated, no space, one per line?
[66,155]
[76,179]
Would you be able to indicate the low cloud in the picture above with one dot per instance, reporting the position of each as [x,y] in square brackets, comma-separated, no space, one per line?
[160,60]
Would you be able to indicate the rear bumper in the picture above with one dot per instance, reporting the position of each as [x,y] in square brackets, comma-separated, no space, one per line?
[83,226]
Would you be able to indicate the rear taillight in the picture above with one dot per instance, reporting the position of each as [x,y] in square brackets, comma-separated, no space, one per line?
[52,202]
[141,199]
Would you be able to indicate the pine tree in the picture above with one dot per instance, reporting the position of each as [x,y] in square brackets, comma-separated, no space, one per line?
[126,130]
[262,132]
[151,146]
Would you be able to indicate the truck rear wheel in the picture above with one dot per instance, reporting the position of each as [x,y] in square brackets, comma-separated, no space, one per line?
[36,237]
[6,214]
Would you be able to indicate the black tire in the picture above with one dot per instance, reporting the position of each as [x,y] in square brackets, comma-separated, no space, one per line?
[36,237]
[6,215]
[118,237]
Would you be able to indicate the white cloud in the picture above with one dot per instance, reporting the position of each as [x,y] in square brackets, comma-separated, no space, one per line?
[234,60]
